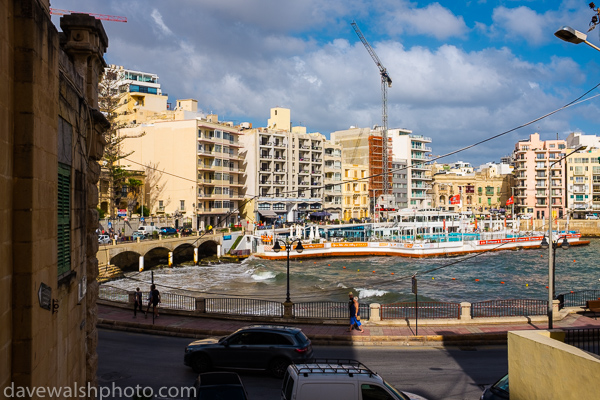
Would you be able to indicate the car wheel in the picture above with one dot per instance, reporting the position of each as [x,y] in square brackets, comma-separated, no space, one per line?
[201,363]
[278,366]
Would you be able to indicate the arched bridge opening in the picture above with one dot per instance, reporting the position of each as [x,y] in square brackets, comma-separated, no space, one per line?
[207,249]
[126,261]
[183,253]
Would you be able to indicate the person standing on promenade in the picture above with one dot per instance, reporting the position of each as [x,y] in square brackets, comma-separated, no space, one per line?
[354,312]
[137,304]
[154,300]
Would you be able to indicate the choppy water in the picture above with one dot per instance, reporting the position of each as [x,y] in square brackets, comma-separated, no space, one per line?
[387,279]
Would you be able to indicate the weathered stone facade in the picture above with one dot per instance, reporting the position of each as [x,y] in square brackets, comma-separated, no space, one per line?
[51,138]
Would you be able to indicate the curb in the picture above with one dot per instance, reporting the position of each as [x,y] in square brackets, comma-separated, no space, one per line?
[477,339]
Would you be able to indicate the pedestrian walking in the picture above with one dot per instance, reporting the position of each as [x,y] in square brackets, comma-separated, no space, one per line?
[154,300]
[354,312]
[137,302]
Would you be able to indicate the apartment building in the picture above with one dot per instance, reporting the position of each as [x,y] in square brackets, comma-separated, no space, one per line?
[532,160]
[356,201]
[201,157]
[416,151]
[291,174]
[583,175]
[361,152]
[400,183]
[481,191]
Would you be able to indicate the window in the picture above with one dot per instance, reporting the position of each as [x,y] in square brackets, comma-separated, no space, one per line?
[64,218]
[182,205]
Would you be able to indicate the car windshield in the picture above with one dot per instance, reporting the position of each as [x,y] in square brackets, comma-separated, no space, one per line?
[221,393]
[396,391]
[502,384]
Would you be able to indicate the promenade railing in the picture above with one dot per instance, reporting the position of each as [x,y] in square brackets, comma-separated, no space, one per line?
[577,299]
[339,310]
[509,308]
[242,306]
[328,310]
[585,339]
[426,309]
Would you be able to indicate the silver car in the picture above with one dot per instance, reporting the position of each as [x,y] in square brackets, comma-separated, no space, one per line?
[104,239]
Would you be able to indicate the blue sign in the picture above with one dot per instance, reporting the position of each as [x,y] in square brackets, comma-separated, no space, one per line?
[142,219]
[109,224]
[228,237]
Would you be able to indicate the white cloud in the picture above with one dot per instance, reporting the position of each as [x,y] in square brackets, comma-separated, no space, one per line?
[157,17]
[432,20]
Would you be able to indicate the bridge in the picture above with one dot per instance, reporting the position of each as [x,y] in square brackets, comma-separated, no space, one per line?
[129,253]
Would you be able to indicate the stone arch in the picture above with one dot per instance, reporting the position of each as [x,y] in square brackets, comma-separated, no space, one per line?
[126,261]
[207,249]
[184,252]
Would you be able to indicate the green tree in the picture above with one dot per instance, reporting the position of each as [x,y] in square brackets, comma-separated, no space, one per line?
[112,100]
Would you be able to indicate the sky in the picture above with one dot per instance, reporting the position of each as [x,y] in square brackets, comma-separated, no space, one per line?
[462,71]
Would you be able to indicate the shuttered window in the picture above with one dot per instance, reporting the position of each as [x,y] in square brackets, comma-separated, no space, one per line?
[64,218]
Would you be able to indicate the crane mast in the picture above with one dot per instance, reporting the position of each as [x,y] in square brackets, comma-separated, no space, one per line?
[386,82]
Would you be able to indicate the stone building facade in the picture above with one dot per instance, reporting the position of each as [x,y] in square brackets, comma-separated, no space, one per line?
[51,136]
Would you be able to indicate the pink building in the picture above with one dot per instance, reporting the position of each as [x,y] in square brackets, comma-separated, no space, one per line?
[532,158]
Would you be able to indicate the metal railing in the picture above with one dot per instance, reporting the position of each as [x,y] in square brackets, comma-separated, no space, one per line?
[584,339]
[426,310]
[509,308]
[177,302]
[328,310]
[577,299]
[240,306]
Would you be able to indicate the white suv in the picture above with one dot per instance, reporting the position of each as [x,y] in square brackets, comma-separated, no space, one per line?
[338,379]
[591,216]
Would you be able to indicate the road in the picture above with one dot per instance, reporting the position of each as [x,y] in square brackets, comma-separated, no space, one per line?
[128,359]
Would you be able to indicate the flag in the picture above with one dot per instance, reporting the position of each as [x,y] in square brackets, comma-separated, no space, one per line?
[455,199]
[444,225]
[510,201]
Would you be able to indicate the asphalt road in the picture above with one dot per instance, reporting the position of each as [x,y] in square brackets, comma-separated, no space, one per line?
[128,359]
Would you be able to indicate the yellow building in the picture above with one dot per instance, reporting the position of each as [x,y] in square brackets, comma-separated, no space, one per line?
[479,191]
[355,192]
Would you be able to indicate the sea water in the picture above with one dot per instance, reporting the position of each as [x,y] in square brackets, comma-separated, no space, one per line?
[510,274]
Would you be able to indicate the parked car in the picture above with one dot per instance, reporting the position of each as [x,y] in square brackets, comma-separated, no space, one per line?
[338,379]
[591,216]
[138,234]
[218,385]
[259,347]
[186,231]
[167,230]
[497,391]
[103,239]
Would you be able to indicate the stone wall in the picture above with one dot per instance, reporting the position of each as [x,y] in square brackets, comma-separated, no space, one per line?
[48,102]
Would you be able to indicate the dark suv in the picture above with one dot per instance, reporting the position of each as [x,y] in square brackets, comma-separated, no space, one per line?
[261,347]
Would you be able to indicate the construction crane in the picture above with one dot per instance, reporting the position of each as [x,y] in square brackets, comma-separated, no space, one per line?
[57,11]
[386,82]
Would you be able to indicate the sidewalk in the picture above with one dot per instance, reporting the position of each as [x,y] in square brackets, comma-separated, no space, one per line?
[199,327]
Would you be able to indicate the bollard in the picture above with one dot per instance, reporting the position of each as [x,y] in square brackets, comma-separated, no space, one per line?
[375,312]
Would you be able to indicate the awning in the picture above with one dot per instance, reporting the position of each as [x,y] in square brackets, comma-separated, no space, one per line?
[267,213]
[320,214]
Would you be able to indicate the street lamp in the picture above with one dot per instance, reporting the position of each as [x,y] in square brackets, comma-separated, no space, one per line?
[544,244]
[288,247]
[571,35]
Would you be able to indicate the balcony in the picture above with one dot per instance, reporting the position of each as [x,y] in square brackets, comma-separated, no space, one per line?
[280,171]
[266,170]
[266,156]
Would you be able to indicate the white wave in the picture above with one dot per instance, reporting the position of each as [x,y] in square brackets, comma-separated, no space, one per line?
[263,275]
[341,285]
[363,293]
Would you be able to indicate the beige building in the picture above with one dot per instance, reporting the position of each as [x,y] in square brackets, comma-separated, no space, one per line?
[202,164]
[50,142]
[291,174]
[478,192]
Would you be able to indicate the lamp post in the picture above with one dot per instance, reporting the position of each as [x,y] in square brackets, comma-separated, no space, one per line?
[552,248]
[571,35]
[288,247]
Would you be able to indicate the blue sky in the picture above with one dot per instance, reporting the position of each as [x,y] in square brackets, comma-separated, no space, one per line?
[462,71]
